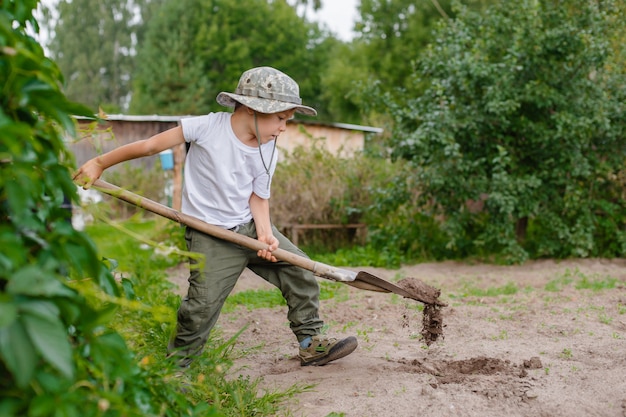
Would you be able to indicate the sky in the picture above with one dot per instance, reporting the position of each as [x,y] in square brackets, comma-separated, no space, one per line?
[339,15]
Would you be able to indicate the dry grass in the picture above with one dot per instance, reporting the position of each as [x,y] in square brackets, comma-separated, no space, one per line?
[314,186]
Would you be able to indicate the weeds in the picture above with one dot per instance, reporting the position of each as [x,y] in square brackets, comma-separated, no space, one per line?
[596,284]
[605,319]
[581,282]
[566,353]
[503,335]
[147,321]
[469,290]
[254,299]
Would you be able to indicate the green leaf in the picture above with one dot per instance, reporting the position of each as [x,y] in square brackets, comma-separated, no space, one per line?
[13,252]
[129,290]
[8,312]
[40,307]
[104,315]
[33,280]
[18,353]
[50,338]
[111,354]
[42,405]
[18,195]
[9,407]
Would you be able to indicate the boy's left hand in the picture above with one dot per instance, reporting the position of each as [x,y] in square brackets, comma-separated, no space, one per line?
[272,243]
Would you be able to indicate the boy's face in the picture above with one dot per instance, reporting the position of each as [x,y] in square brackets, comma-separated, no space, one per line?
[272,125]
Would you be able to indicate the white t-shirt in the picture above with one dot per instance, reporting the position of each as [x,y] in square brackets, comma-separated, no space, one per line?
[221,173]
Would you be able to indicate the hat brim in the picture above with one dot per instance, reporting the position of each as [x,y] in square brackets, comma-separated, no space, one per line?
[263,105]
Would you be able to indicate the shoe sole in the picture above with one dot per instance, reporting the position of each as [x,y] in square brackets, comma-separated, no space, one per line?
[341,349]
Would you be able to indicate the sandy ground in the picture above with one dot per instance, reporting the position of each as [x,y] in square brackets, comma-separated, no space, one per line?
[541,351]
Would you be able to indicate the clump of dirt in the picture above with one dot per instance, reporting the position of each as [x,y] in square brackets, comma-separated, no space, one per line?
[421,291]
[432,322]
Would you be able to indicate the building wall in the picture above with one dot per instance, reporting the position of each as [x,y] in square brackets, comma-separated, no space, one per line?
[96,139]
[338,141]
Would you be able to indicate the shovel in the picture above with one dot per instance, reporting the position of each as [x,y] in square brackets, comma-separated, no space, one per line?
[362,280]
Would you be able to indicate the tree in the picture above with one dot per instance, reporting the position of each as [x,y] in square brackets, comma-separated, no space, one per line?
[303,6]
[196,48]
[94,44]
[344,89]
[390,36]
[170,76]
[520,130]
[395,31]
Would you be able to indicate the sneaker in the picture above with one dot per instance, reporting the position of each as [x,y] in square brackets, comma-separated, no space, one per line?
[324,349]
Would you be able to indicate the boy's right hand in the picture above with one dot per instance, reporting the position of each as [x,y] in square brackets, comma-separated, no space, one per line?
[88,173]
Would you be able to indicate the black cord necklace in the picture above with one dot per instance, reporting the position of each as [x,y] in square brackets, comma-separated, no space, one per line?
[258,138]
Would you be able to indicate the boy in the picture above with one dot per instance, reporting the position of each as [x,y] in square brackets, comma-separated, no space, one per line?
[227,177]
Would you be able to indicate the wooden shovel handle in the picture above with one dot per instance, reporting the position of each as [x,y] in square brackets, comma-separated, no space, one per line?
[361,280]
[318,268]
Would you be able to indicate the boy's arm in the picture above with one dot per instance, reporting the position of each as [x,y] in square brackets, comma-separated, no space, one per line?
[260,209]
[92,169]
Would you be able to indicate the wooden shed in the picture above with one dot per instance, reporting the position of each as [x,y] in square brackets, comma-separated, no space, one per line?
[96,138]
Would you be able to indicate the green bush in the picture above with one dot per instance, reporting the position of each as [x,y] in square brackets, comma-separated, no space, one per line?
[146,319]
[314,186]
[520,108]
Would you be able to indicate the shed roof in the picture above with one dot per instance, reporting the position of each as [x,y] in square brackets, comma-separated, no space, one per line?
[166,118]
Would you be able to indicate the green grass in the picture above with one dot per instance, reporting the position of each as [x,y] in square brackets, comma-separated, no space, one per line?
[360,256]
[255,299]
[573,278]
[557,284]
[136,241]
[147,317]
[469,290]
[581,282]
[596,283]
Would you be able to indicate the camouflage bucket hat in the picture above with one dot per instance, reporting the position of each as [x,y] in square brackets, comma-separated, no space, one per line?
[266,90]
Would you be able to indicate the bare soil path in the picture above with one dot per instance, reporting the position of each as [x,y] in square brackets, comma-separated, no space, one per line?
[555,347]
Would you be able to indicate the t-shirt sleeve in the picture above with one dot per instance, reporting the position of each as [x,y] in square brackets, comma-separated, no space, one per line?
[195,127]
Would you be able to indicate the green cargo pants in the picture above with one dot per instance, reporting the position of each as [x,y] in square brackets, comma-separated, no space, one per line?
[212,279]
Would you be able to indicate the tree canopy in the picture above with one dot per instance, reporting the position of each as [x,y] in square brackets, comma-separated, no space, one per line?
[520,130]
[196,48]
[390,37]
[93,44]
[172,56]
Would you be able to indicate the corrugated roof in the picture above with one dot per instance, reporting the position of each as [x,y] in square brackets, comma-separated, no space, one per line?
[165,118]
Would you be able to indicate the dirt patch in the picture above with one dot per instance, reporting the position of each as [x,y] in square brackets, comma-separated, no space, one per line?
[541,339]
